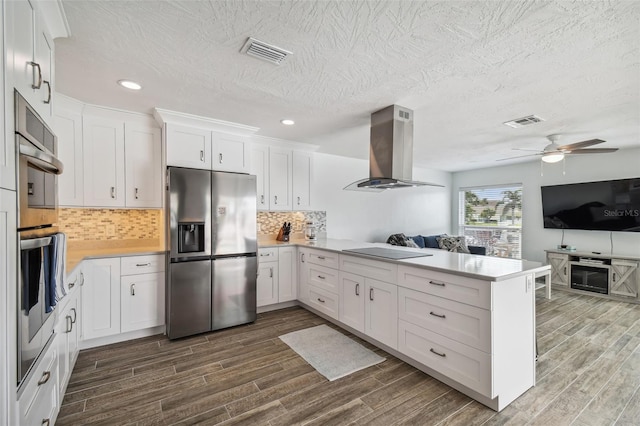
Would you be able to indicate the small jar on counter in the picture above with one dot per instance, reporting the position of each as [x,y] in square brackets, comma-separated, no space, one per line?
[311,230]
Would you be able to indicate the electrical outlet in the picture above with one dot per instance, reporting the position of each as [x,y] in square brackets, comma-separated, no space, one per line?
[110,230]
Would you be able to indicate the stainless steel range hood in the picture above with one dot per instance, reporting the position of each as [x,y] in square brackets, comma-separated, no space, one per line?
[390,152]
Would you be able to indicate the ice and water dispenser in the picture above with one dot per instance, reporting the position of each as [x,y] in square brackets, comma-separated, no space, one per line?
[190,237]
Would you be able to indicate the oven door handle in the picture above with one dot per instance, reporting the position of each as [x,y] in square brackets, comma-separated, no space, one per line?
[43,160]
[34,243]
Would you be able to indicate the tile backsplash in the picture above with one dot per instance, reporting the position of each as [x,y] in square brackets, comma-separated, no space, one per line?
[269,223]
[110,224]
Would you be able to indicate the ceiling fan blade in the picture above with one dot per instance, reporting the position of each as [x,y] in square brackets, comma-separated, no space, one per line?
[524,149]
[592,151]
[583,144]
[519,156]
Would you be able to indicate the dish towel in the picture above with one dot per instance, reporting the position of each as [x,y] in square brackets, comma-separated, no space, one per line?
[58,262]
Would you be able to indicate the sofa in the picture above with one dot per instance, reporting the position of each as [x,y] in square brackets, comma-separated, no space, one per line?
[442,241]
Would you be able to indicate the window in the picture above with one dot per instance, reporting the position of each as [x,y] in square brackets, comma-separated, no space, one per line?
[492,217]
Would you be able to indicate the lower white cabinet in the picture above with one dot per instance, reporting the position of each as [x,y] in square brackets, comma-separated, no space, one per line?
[303,275]
[142,301]
[277,275]
[39,400]
[287,274]
[267,283]
[101,298]
[68,337]
[381,312]
[352,290]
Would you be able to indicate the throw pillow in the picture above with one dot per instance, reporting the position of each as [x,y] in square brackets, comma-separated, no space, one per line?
[411,243]
[453,244]
[418,240]
[397,240]
[431,241]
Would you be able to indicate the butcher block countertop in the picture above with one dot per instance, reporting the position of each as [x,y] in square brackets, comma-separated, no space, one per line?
[77,251]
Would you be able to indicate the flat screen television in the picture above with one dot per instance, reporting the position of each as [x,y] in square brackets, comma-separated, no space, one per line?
[612,205]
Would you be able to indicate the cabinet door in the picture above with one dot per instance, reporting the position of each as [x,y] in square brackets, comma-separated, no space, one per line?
[302,180]
[68,128]
[230,153]
[260,168]
[143,158]
[303,276]
[267,284]
[352,290]
[287,274]
[67,338]
[22,18]
[142,301]
[381,312]
[624,278]
[559,268]
[279,179]
[103,145]
[44,57]
[188,147]
[101,298]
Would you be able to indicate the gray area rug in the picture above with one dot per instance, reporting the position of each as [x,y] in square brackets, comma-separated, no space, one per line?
[330,352]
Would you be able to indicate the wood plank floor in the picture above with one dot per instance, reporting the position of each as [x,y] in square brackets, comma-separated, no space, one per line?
[588,373]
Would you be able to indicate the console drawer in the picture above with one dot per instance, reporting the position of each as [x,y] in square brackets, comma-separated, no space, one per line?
[453,287]
[323,277]
[382,271]
[131,265]
[324,301]
[323,258]
[466,324]
[464,364]
[268,254]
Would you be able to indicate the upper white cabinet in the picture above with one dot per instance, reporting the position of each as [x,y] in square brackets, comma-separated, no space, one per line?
[188,147]
[68,129]
[230,153]
[103,146]
[205,149]
[143,157]
[122,162]
[280,179]
[302,180]
[260,168]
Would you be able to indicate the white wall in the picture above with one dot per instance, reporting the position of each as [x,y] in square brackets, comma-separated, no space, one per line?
[585,168]
[372,217]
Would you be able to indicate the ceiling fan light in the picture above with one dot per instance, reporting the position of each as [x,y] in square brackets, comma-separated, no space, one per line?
[552,157]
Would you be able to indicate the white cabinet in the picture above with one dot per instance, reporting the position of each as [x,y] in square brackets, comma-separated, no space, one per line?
[44,57]
[302,180]
[143,159]
[39,400]
[559,268]
[303,275]
[280,168]
[230,153]
[381,312]
[104,171]
[352,291]
[68,129]
[101,298]
[68,337]
[624,278]
[260,168]
[142,301]
[188,147]
[267,283]
[287,274]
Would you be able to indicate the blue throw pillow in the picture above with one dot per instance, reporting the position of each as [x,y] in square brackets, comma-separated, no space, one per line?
[431,241]
[418,240]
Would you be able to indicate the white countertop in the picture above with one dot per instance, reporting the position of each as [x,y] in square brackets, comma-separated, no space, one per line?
[470,265]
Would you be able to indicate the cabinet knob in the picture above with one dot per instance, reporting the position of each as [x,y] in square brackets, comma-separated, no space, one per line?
[48,101]
[37,85]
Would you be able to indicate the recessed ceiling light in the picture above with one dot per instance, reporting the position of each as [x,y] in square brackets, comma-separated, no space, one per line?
[129,84]
[287,122]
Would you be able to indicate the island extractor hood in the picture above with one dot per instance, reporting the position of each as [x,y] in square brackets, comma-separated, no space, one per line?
[390,152]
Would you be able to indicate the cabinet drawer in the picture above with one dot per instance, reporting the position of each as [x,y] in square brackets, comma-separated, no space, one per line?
[453,287]
[325,278]
[142,264]
[38,401]
[466,365]
[466,324]
[324,301]
[375,269]
[268,254]
[323,258]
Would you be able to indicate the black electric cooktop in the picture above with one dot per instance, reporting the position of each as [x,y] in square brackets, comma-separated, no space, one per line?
[387,253]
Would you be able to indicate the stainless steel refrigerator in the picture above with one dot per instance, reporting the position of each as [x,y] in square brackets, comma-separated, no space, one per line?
[212,232]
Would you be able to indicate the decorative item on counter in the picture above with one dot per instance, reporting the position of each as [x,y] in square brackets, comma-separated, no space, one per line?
[311,230]
[285,230]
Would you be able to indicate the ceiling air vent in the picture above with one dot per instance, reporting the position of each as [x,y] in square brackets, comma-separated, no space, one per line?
[524,121]
[265,51]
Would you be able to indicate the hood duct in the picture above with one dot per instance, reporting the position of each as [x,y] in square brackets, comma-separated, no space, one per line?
[390,152]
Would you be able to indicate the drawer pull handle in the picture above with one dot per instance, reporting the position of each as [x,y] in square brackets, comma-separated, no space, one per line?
[262,199]
[73,284]
[357,289]
[75,315]
[437,315]
[370,294]
[82,281]
[436,283]
[113,192]
[321,277]
[437,353]
[220,158]
[265,254]
[201,155]
[48,101]
[321,257]
[298,200]
[614,276]
[46,422]
[69,324]
[320,300]
[37,85]
[136,193]
[565,270]
[133,289]
[143,264]
[302,257]
[270,272]
[275,199]
[45,378]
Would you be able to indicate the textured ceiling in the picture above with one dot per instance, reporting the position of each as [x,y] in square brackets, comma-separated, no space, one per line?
[465,67]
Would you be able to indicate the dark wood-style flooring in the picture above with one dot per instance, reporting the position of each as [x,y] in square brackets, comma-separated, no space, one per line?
[588,373]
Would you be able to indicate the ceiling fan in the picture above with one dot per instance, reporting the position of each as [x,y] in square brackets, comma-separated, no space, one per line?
[553,152]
